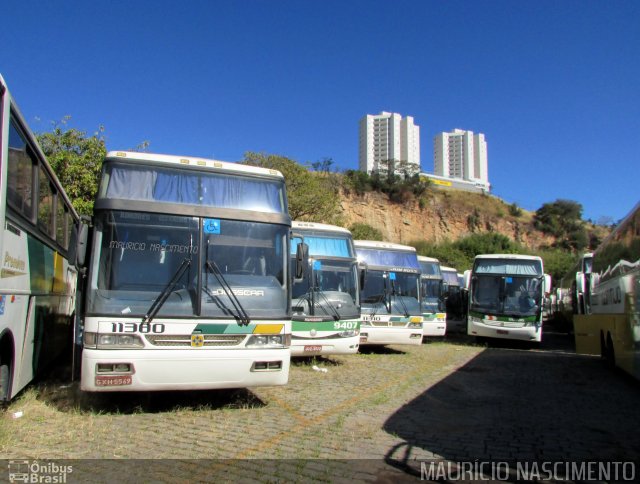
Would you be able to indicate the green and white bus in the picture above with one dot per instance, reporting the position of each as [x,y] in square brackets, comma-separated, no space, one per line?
[326,303]
[612,329]
[188,282]
[434,314]
[390,294]
[37,279]
[506,297]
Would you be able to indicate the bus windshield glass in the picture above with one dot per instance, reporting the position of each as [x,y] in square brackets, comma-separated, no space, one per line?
[137,255]
[431,294]
[384,289]
[507,295]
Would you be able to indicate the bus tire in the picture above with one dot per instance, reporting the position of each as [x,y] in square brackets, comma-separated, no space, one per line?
[603,347]
[5,381]
[611,352]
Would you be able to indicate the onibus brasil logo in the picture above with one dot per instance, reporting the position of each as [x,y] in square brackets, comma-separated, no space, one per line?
[38,472]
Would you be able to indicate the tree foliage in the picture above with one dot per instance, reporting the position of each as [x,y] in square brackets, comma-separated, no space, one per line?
[77,160]
[312,196]
[365,232]
[563,220]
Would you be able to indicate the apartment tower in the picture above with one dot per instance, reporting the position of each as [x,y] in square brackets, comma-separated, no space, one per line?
[388,137]
[461,154]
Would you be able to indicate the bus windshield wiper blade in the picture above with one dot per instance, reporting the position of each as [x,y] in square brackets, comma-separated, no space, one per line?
[336,314]
[399,297]
[242,316]
[160,300]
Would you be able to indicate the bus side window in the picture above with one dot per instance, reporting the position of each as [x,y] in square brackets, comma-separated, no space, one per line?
[45,203]
[20,174]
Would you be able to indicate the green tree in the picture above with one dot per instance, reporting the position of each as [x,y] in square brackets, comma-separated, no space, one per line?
[365,232]
[563,220]
[557,262]
[77,160]
[312,196]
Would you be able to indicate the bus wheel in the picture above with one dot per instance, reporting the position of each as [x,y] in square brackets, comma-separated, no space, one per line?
[603,347]
[5,381]
[611,352]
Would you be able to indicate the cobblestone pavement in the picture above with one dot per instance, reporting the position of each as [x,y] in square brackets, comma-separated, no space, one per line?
[376,416]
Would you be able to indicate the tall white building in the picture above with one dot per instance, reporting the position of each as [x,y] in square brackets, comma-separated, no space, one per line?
[461,154]
[388,136]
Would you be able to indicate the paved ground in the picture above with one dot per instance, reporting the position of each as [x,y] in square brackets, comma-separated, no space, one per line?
[377,416]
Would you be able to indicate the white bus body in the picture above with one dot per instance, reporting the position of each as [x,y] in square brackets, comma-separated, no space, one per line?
[326,304]
[506,297]
[188,284]
[434,316]
[390,295]
[37,281]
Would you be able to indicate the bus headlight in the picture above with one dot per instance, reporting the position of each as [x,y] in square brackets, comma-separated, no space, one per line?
[110,341]
[269,341]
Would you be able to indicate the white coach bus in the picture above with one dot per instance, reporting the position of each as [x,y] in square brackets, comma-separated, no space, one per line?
[37,280]
[189,284]
[390,294]
[506,297]
[326,303]
[432,297]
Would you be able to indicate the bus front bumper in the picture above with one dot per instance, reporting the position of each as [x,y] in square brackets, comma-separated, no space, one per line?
[524,333]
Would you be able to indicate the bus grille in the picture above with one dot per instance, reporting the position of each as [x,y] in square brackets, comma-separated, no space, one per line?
[185,339]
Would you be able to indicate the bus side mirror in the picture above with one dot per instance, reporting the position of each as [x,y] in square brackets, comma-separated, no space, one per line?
[302,260]
[547,284]
[362,274]
[78,243]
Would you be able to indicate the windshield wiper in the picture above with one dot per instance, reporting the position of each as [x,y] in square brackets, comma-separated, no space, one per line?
[160,300]
[399,297]
[241,315]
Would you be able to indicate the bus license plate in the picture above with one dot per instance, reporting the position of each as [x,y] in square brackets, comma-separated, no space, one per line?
[502,331]
[112,381]
[312,348]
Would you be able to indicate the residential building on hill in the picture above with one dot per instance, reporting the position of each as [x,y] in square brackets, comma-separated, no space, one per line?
[461,154]
[388,137]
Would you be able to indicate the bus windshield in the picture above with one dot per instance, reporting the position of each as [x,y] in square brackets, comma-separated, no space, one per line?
[507,295]
[431,294]
[138,255]
[334,285]
[391,292]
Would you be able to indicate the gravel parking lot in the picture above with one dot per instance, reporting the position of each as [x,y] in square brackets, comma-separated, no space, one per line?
[374,416]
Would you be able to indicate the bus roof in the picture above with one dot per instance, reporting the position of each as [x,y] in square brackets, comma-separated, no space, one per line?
[193,162]
[375,244]
[424,258]
[296,224]
[448,269]
[508,256]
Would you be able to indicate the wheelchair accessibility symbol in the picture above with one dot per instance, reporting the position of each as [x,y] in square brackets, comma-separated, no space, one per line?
[211,226]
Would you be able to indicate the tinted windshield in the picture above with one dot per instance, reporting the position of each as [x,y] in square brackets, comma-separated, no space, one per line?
[335,284]
[137,254]
[509,295]
[383,289]
[431,294]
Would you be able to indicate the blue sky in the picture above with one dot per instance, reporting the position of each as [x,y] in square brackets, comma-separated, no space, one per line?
[554,85]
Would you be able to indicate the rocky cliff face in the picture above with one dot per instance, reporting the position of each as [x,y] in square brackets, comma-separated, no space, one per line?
[444,215]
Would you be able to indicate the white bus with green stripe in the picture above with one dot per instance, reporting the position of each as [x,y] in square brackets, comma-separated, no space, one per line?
[434,315]
[506,297]
[326,302]
[37,282]
[390,294]
[189,284]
